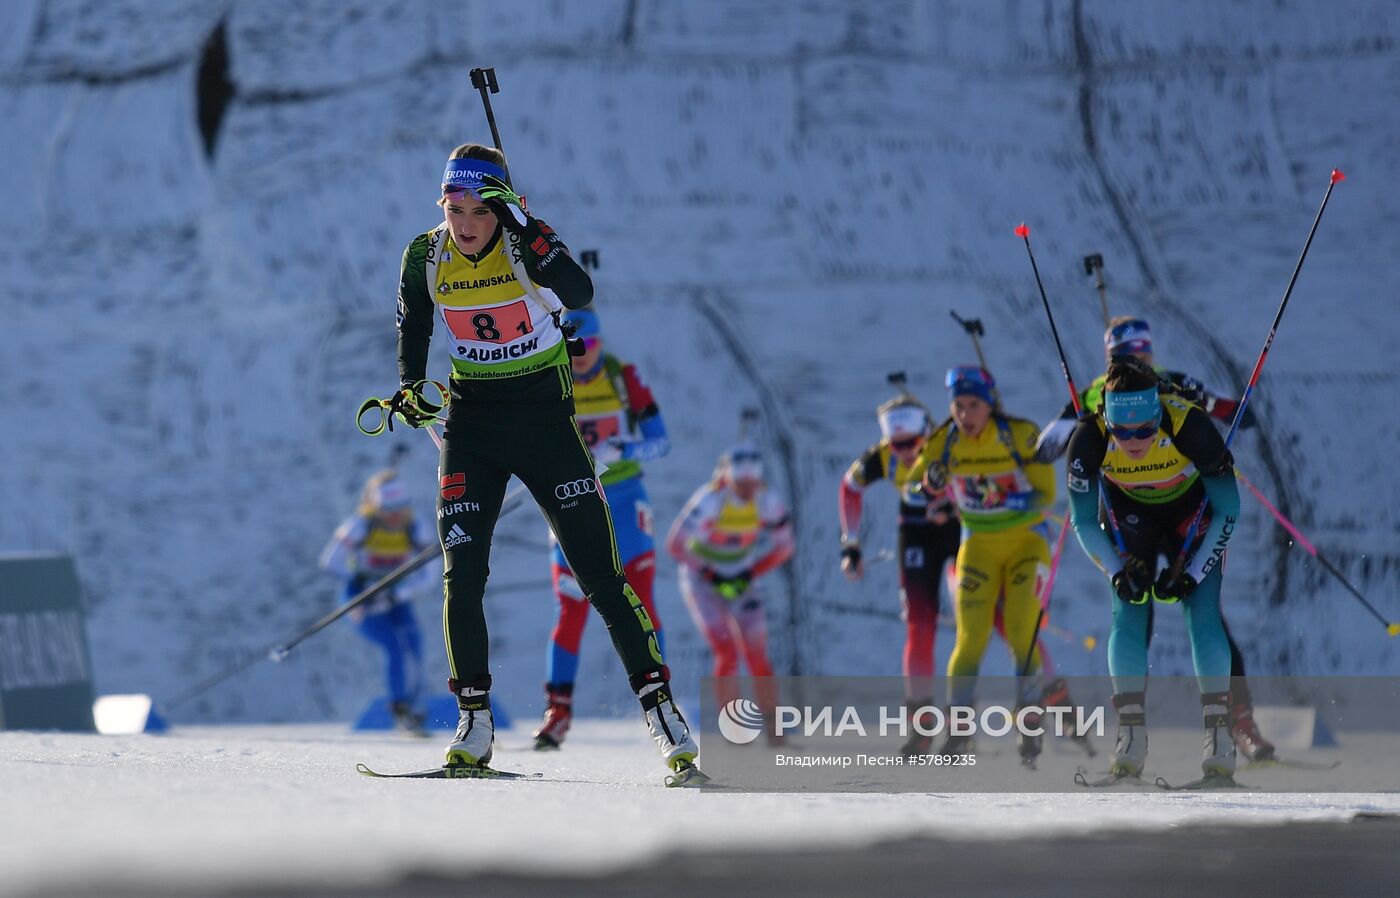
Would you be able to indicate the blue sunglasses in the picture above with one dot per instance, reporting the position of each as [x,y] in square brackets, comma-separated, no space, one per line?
[1145,432]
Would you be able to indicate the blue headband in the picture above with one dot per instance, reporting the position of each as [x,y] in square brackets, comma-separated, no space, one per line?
[471,174]
[1132,409]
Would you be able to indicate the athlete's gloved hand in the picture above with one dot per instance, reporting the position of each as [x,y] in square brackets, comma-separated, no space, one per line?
[730,586]
[935,481]
[1173,589]
[1053,440]
[1133,581]
[850,560]
[405,405]
[1193,391]
[640,450]
[541,248]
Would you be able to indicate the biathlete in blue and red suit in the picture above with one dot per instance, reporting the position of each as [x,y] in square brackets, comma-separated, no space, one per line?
[619,420]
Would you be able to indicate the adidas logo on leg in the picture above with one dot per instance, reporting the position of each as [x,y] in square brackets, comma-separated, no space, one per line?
[456,536]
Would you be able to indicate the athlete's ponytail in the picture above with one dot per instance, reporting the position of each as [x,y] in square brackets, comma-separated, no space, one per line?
[1129,375]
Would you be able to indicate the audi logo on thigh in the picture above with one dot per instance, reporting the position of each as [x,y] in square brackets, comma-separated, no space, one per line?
[575,488]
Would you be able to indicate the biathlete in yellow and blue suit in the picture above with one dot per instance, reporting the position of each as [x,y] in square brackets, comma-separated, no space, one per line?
[1158,457]
[984,460]
[622,425]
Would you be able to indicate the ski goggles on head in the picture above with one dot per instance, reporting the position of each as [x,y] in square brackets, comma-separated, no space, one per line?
[467,176]
[969,380]
[1133,415]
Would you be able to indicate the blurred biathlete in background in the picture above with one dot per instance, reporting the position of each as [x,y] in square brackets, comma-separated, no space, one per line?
[982,457]
[1131,338]
[622,425]
[731,532]
[928,538]
[930,534]
[381,535]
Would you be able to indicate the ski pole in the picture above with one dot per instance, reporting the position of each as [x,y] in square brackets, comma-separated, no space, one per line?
[1024,233]
[388,581]
[974,329]
[278,651]
[1180,561]
[1093,264]
[1392,628]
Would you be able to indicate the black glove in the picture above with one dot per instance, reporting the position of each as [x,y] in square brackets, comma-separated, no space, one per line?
[730,587]
[542,251]
[850,557]
[405,405]
[1173,589]
[1133,581]
[935,480]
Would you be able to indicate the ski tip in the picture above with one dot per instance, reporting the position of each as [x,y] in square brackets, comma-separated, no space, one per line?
[365,771]
[1022,231]
[1338,176]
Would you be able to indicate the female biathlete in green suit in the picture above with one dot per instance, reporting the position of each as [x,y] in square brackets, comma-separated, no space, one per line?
[495,279]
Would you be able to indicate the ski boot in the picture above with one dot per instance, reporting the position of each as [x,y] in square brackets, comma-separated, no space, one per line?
[1056,695]
[558,715]
[1219,757]
[918,743]
[1029,746]
[956,745]
[1248,741]
[476,731]
[408,719]
[1130,746]
[668,728]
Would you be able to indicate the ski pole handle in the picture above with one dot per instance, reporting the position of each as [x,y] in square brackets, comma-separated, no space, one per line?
[381,411]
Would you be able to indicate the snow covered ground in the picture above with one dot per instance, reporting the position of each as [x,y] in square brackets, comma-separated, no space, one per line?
[281,808]
[787,199]
[786,205]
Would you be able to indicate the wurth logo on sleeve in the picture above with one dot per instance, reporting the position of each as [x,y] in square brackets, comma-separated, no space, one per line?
[454,486]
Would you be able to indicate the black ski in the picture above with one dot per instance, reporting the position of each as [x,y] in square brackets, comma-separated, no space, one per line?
[453,772]
[1208,782]
[1081,777]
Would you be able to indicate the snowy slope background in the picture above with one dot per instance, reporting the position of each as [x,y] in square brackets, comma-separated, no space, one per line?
[787,200]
